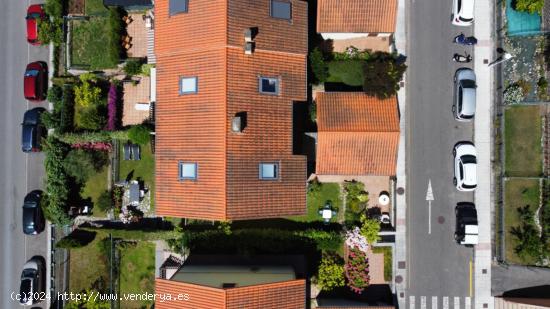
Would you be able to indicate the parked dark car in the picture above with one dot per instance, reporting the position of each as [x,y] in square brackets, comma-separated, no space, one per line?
[36,81]
[33,218]
[32,130]
[35,12]
[32,281]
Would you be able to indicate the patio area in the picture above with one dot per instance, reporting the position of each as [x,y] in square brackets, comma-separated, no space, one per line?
[136,98]
[371,43]
[137,29]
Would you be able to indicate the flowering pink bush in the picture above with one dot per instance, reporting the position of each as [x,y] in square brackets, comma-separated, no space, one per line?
[354,239]
[111,108]
[357,270]
[100,146]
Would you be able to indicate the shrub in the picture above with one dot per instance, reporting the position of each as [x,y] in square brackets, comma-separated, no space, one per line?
[99,146]
[318,65]
[93,137]
[530,6]
[81,164]
[77,239]
[356,270]
[349,72]
[54,8]
[382,74]
[542,90]
[525,86]
[50,31]
[312,109]
[357,197]
[55,94]
[139,134]
[370,229]
[146,69]
[331,272]
[112,99]
[132,67]
[114,49]
[105,201]
[314,186]
[354,239]
[57,188]
[86,94]
[324,240]
[61,118]
[90,119]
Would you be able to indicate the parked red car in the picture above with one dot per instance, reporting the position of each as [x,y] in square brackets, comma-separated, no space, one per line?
[36,81]
[34,13]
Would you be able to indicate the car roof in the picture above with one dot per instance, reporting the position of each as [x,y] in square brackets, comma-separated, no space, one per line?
[470,177]
[468,101]
[30,86]
[467,9]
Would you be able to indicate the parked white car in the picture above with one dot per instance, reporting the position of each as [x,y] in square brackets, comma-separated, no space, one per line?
[465,178]
[463,12]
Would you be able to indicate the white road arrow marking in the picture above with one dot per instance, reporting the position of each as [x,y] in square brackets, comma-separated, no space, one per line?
[429,198]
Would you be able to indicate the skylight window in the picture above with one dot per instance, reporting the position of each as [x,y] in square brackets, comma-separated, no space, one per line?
[281,9]
[188,85]
[187,170]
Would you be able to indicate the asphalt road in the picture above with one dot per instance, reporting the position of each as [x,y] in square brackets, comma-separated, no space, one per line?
[19,173]
[438,267]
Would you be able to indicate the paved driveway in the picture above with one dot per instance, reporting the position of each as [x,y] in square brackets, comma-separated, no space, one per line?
[19,173]
[438,268]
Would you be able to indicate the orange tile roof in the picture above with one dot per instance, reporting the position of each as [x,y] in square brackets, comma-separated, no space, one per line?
[281,295]
[357,134]
[356,16]
[207,42]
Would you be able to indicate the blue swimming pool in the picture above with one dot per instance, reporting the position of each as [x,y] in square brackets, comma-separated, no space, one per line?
[520,23]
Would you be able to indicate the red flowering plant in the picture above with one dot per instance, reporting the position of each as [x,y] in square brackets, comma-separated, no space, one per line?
[111,108]
[357,270]
[100,146]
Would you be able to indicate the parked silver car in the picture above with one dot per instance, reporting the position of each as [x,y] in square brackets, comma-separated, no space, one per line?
[464,106]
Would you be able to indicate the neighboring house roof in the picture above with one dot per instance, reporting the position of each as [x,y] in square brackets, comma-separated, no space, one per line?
[356,16]
[128,2]
[357,134]
[207,42]
[282,295]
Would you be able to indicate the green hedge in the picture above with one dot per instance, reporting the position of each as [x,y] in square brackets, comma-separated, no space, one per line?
[57,189]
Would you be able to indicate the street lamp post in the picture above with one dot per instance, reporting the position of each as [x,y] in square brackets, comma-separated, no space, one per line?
[501,59]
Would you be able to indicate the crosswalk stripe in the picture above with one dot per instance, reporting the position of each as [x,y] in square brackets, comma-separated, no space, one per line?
[422,302]
[445,302]
[468,302]
[434,302]
[457,302]
[412,302]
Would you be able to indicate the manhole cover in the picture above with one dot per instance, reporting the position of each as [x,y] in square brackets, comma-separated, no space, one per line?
[400,190]
[441,219]
[398,279]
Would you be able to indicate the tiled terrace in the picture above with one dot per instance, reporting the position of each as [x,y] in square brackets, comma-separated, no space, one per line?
[368,43]
[136,101]
[138,32]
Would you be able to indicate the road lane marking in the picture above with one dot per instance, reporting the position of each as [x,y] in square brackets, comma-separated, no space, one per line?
[457,303]
[445,302]
[468,303]
[412,302]
[429,198]
[422,302]
[434,302]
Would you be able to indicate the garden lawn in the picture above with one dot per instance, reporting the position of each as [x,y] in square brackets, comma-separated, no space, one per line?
[87,265]
[388,261]
[522,137]
[137,273]
[517,193]
[93,188]
[349,72]
[143,169]
[95,8]
[316,200]
[93,45]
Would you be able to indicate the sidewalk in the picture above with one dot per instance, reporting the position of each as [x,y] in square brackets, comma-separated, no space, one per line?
[484,54]
[400,249]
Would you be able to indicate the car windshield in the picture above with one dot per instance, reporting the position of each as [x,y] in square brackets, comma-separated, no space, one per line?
[468,83]
[33,15]
[466,186]
[468,159]
[465,19]
[31,73]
